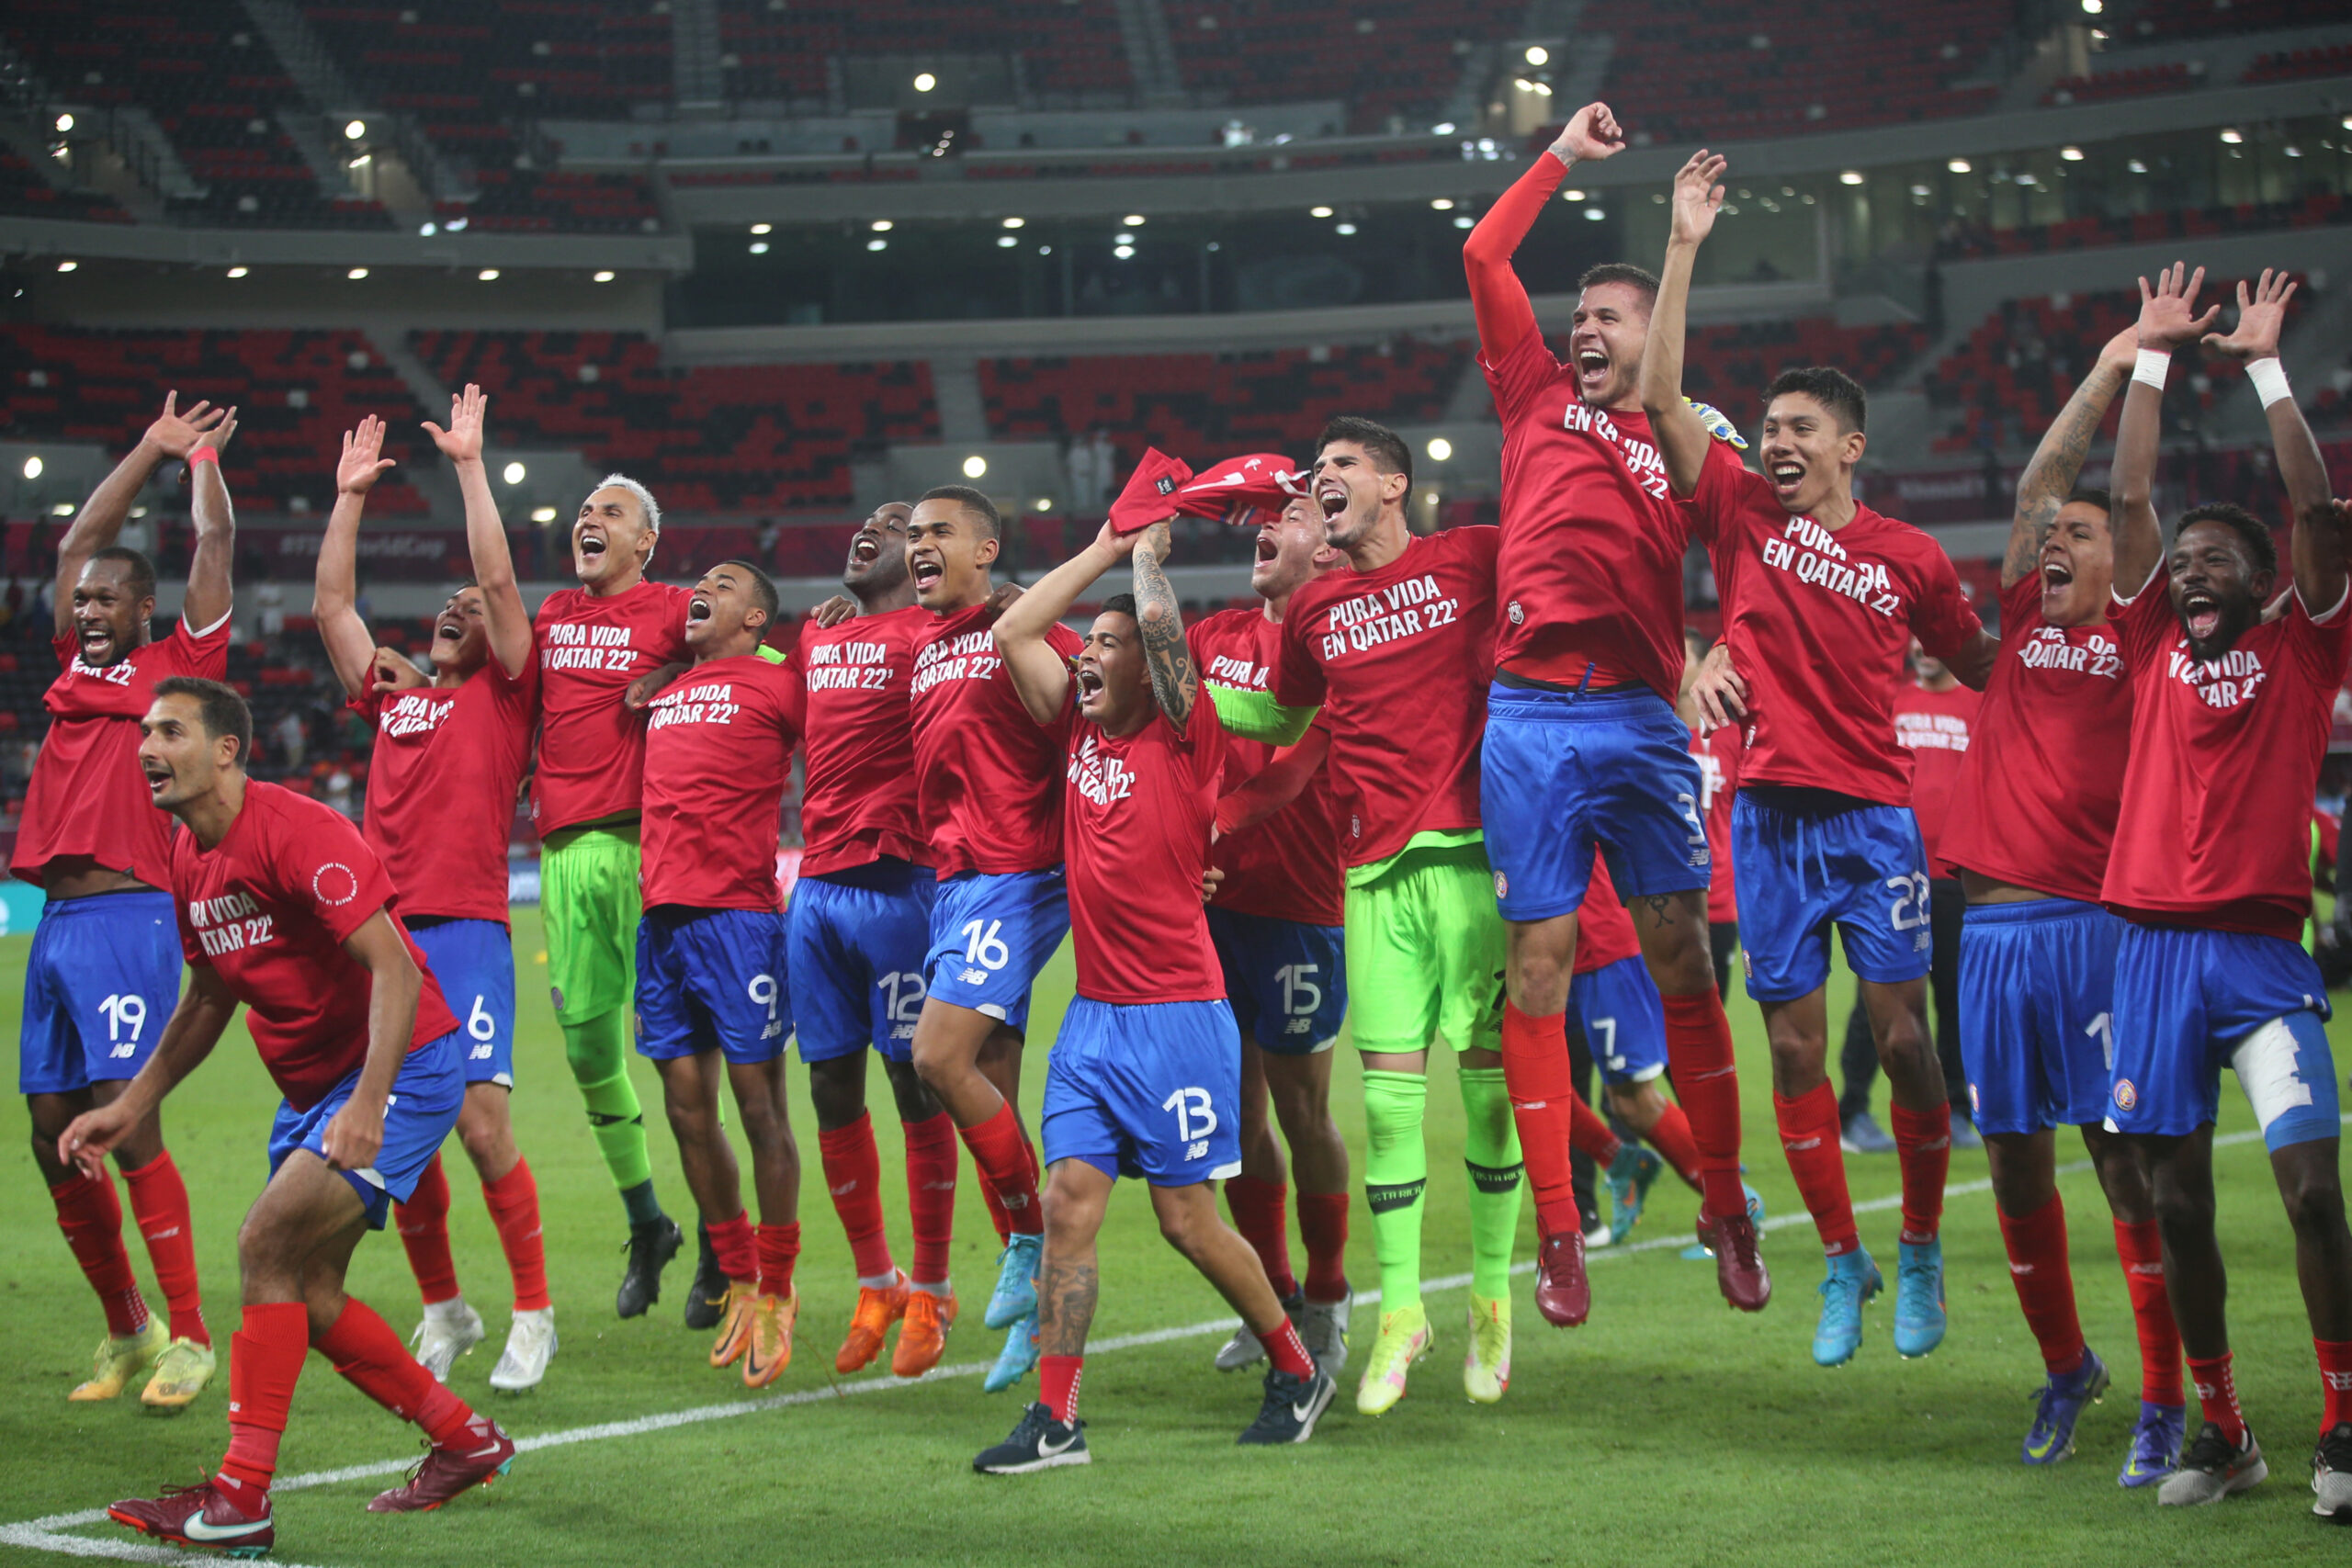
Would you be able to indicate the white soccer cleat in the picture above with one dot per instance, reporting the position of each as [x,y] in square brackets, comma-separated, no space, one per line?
[530,1346]
[1243,1349]
[451,1329]
[1324,1326]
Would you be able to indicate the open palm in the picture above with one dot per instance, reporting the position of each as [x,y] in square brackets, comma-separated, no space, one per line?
[2262,314]
[461,443]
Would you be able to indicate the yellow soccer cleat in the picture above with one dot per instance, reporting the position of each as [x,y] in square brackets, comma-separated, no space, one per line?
[771,1350]
[119,1361]
[1404,1340]
[735,1310]
[923,1336]
[1485,1367]
[181,1373]
[877,1311]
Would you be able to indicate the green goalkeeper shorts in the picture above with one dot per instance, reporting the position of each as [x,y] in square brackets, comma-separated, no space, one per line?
[1426,947]
[588,898]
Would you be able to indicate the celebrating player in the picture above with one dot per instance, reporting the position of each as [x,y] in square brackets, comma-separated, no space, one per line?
[283,907]
[1717,751]
[105,968]
[1582,745]
[441,784]
[1821,598]
[1144,1080]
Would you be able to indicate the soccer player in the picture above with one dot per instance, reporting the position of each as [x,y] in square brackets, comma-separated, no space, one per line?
[989,796]
[858,930]
[105,968]
[1717,751]
[2211,873]
[1582,746]
[283,907]
[1144,1080]
[710,948]
[2031,822]
[448,761]
[1821,598]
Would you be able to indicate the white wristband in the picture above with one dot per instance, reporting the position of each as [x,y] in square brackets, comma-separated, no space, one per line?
[2153,363]
[2270,378]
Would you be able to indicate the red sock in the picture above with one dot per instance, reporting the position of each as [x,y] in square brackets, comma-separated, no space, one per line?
[1009,1170]
[2038,1268]
[1809,1135]
[738,1255]
[853,1176]
[91,1217]
[513,1202]
[931,1193]
[265,1362]
[370,1356]
[1923,1143]
[1261,1213]
[2142,1256]
[779,1249]
[424,1223]
[1707,1079]
[1590,1132]
[2217,1396]
[1057,1384]
[2335,1373]
[1543,1093]
[1323,1227]
[1287,1352]
[159,1202]
[1671,1136]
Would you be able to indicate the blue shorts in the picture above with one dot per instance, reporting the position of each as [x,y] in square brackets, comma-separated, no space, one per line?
[474,962]
[1287,980]
[100,984]
[711,980]
[1152,1090]
[1623,1022]
[2037,997]
[991,932]
[2188,1001]
[418,1117]
[1809,859]
[858,938]
[1562,771]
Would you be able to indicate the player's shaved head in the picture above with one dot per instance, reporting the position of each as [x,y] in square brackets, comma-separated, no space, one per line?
[978,510]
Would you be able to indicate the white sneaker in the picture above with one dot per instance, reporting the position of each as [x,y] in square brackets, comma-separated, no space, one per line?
[1242,1351]
[1324,1326]
[530,1346]
[450,1329]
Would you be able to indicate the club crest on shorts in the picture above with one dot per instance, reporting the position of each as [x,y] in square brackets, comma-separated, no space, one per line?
[1502,886]
[2126,1097]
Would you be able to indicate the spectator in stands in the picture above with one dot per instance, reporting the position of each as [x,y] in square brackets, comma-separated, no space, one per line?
[269,605]
[1106,470]
[291,740]
[1084,490]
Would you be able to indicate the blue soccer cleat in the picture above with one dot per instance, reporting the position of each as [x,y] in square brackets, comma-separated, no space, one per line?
[1015,1296]
[1630,1176]
[1853,1279]
[2155,1444]
[1020,1354]
[1918,1298]
[2059,1406]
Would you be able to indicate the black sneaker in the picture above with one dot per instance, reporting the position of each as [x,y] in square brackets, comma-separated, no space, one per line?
[2332,1474]
[650,1247]
[707,1298]
[1040,1442]
[1293,1406]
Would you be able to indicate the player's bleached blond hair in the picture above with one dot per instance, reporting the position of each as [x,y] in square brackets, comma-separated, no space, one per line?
[645,502]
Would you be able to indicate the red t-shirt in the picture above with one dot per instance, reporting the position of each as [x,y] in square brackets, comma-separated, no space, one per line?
[441,785]
[269,909]
[1819,625]
[1136,816]
[2042,781]
[857,803]
[591,749]
[87,795]
[1718,757]
[1604,928]
[1934,727]
[1399,660]
[719,747]
[988,781]
[1286,867]
[2215,828]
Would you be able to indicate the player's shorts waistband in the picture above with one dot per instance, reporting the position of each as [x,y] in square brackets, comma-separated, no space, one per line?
[2032,912]
[621,830]
[1614,705]
[1807,801]
[884,873]
[147,903]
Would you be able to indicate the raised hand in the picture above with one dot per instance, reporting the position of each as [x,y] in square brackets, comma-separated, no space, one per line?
[2123,350]
[362,458]
[1697,197]
[1592,133]
[2167,312]
[176,434]
[1003,597]
[393,672]
[834,611]
[461,443]
[2261,314]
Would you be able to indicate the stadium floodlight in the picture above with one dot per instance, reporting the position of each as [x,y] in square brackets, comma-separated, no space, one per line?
[2231,135]
[925,82]
[1595,214]
[64,123]
[2094,7]
[62,509]
[1538,55]
[1133,220]
[1006,242]
[238,271]
[762,228]
[487,275]
[1850,177]
[1044,503]
[1440,449]
[1016,222]
[32,467]
[1319,212]
[67,266]
[1572,195]
[1442,204]
[2291,151]
[514,473]
[1959,165]
[1443,127]
[543,514]
[759,247]
[975,465]
[881,225]
[877,244]
[1466,221]
[355,274]
[2072,155]
[2136,167]
[1044,249]
[428,229]
[606,276]
[355,130]
[1343,229]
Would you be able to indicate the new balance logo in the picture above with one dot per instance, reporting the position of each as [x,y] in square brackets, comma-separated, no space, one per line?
[974,976]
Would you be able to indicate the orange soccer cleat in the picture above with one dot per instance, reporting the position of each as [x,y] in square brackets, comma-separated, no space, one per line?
[771,1350]
[922,1337]
[877,1311]
[735,1309]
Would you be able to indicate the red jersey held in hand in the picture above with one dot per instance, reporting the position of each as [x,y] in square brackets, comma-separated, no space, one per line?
[269,909]
[1286,867]
[719,747]
[87,795]
[441,786]
[988,781]
[1718,757]
[2216,829]
[591,749]
[857,803]
[1604,928]
[1934,727]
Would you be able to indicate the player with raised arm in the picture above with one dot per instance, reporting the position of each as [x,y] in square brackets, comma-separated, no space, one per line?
[2211,873]
[858,929]
[105,968]
[283,907]
[1822,597]
[1582,747]
[988,798]
[1144,1080]
[442,779]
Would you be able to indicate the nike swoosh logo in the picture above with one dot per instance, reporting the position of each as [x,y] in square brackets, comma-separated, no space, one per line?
[197,1529]
[1047,1449]
[483,1452]
[1220,482]
[1299,1412]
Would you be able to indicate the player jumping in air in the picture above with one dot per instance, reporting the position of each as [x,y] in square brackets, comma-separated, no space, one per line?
[1717,753]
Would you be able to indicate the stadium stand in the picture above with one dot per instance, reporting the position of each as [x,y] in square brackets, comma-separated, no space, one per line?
[1383,57]
[23,193]
[2138,81]
[2186,19]
[2294,64]
[779,51]
[2315,211]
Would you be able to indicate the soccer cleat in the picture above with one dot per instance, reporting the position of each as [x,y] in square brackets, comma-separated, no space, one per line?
[1323,1326]
[877,1311]
[119,1361]
[1485,1365]
[771,1348]
[201,1516]
[1740,1274]
[649,1248]
[1020,1354]
[479,1457]
[706,1297]
[1291,1407]
[1403,1338]
[1244,1351]
[2212,1470]
[1015,1296]
[1918,1298]
[1630,1176]
[1038,1442]
[1704,1248]
[2059,1406]
[530,1346]
[922,1333]
[2155,1444]
[181,1373]
[1862,1136]
[1853,1279]
[735,1311]
[2332,1474]
[449,1330]
[1563,1294]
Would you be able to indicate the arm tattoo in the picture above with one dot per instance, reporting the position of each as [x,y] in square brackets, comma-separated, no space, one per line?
[2050,477]
[1173,681]
[1064,1307]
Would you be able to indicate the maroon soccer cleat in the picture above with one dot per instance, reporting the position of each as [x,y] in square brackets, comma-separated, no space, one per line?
[200,1516]
[1563,1294]
[1739,1266]
[479,1457]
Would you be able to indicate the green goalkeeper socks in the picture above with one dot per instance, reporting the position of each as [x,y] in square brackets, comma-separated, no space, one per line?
[1490,1148]
[595,1050]
[1397,1172]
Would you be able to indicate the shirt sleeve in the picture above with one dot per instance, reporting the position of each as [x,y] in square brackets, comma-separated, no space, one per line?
[1063,640]
[1298,674]
[202,650]
[1941,616]
[2143,623]
[1715,507]
[323,862]
[2322,639]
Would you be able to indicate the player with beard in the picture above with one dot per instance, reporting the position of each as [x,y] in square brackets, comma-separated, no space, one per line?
[441,778]
[858,929]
